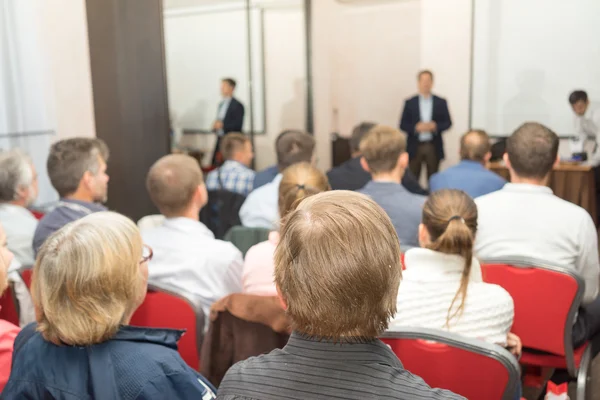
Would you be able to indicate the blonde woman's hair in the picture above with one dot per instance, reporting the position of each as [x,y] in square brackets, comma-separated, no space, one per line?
[299,182]
[87,279]
[337,266]
[450,217]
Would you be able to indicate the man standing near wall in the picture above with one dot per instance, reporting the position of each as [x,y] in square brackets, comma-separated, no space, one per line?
[424,118]
[230,116]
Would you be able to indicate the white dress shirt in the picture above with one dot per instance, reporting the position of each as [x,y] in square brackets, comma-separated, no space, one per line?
[587,131]
[19,225]
[190,261]
[530,221]
[426,115]
[428,287]
[261,208]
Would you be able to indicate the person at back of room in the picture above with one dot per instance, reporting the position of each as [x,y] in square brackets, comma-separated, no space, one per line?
[188,260]
[384,156]
[230,116]
[260,209]
[82,346]
[352,176]
[299,181]
[235,174]
[330,244]
[77,171]
[471,174]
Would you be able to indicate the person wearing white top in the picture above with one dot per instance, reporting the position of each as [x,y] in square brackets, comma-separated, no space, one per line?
[442,287]
[526,219]
[586,126]
[260,208]
[187,258]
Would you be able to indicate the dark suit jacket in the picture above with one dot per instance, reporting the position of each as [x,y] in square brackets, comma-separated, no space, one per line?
[234,117]
[351,176]
[412,115]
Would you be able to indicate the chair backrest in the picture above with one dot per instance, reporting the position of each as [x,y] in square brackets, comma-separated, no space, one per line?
[221,213]
[164,309]
[8,306]
[472,368]
[546,300]
[26,274]
[243,237]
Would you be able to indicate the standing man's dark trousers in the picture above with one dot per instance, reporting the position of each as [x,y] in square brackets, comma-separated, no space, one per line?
[217,158]
[597,179]
[426,154]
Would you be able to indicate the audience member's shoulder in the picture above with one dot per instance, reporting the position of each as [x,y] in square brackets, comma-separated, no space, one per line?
[483,201]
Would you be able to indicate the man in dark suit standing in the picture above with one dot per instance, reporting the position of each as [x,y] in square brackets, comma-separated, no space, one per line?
[424,119]
[230,117]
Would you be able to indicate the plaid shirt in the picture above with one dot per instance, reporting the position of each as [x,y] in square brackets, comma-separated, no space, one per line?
[235,177]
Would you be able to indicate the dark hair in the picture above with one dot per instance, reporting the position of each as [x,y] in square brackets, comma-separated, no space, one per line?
[532,150]
[70,159]
[358,133]
[450,217]
[474,145]
[232,143]
[425,72]
[293,147]
[230,81]
[577,96]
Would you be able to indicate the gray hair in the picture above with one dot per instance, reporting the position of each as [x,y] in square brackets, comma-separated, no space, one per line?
[15,173]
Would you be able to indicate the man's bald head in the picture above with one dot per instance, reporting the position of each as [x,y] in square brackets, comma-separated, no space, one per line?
[172,183]
[475,146]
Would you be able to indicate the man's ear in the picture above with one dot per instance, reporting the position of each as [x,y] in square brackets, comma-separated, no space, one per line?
[86,179]
[281,299]
[556,162]
[364,164]
[487,157]
[506,160]
[403,160]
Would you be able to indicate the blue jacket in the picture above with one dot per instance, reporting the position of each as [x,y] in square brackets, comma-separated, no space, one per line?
[138,363]
[469,176]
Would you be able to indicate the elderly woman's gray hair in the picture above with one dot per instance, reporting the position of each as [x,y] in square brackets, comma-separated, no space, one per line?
[16,173]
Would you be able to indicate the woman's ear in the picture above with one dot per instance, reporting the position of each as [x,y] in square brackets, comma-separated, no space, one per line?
[364,164]
[424,237]
[281,299]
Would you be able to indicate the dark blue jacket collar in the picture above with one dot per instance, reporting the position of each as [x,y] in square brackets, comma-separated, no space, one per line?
[162,336]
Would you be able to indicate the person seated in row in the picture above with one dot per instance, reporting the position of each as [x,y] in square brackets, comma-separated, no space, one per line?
[18,191]
[188,260]
[470,174]
[352,176]
[77,171]
[235,174]
[8,331]
[298,182]
[260,208]
[82,345]
[384,156]
[442,286]
[526,219]
[329,244]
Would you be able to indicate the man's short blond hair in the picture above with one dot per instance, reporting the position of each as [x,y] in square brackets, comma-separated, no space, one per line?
[474,145]
[172,182]
[87,279]
[232,143]
[337,266]
[381,148]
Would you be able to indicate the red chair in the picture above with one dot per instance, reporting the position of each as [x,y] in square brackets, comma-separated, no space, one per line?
[26,275]
[8,306]
[472,368]
[164,309]
[546,301]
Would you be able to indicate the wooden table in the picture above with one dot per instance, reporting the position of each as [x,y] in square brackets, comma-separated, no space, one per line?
[571,182]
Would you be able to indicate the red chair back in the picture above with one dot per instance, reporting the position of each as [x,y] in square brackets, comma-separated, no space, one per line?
[26,276]
[8,307]
[162,309]
[472,368]
[546,299]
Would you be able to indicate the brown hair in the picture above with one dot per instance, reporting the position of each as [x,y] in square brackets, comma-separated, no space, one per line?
[425,72]
[358,133]
[293,147]
[474,145]
[230,81]
[70,159]
[299,182]
[172,182]
[450,217]
[337,266]
[381,148]
[232,143]
[532,150]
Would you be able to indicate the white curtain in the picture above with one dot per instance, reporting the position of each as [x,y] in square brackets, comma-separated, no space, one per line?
[26,107]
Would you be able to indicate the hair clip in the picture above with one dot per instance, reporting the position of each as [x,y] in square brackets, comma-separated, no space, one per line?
[456,217]
[301,187]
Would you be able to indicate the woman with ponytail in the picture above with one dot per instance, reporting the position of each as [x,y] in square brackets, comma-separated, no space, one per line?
[299,181]
[442,287]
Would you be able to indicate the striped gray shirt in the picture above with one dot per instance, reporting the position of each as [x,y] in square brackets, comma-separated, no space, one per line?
[310,369]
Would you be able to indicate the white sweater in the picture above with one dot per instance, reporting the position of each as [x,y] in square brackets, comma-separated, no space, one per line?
[428,286]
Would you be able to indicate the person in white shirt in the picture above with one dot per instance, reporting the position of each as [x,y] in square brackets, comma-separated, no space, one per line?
[442,287]
[260,210]
[18,190]
[187,258]
[526,219]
